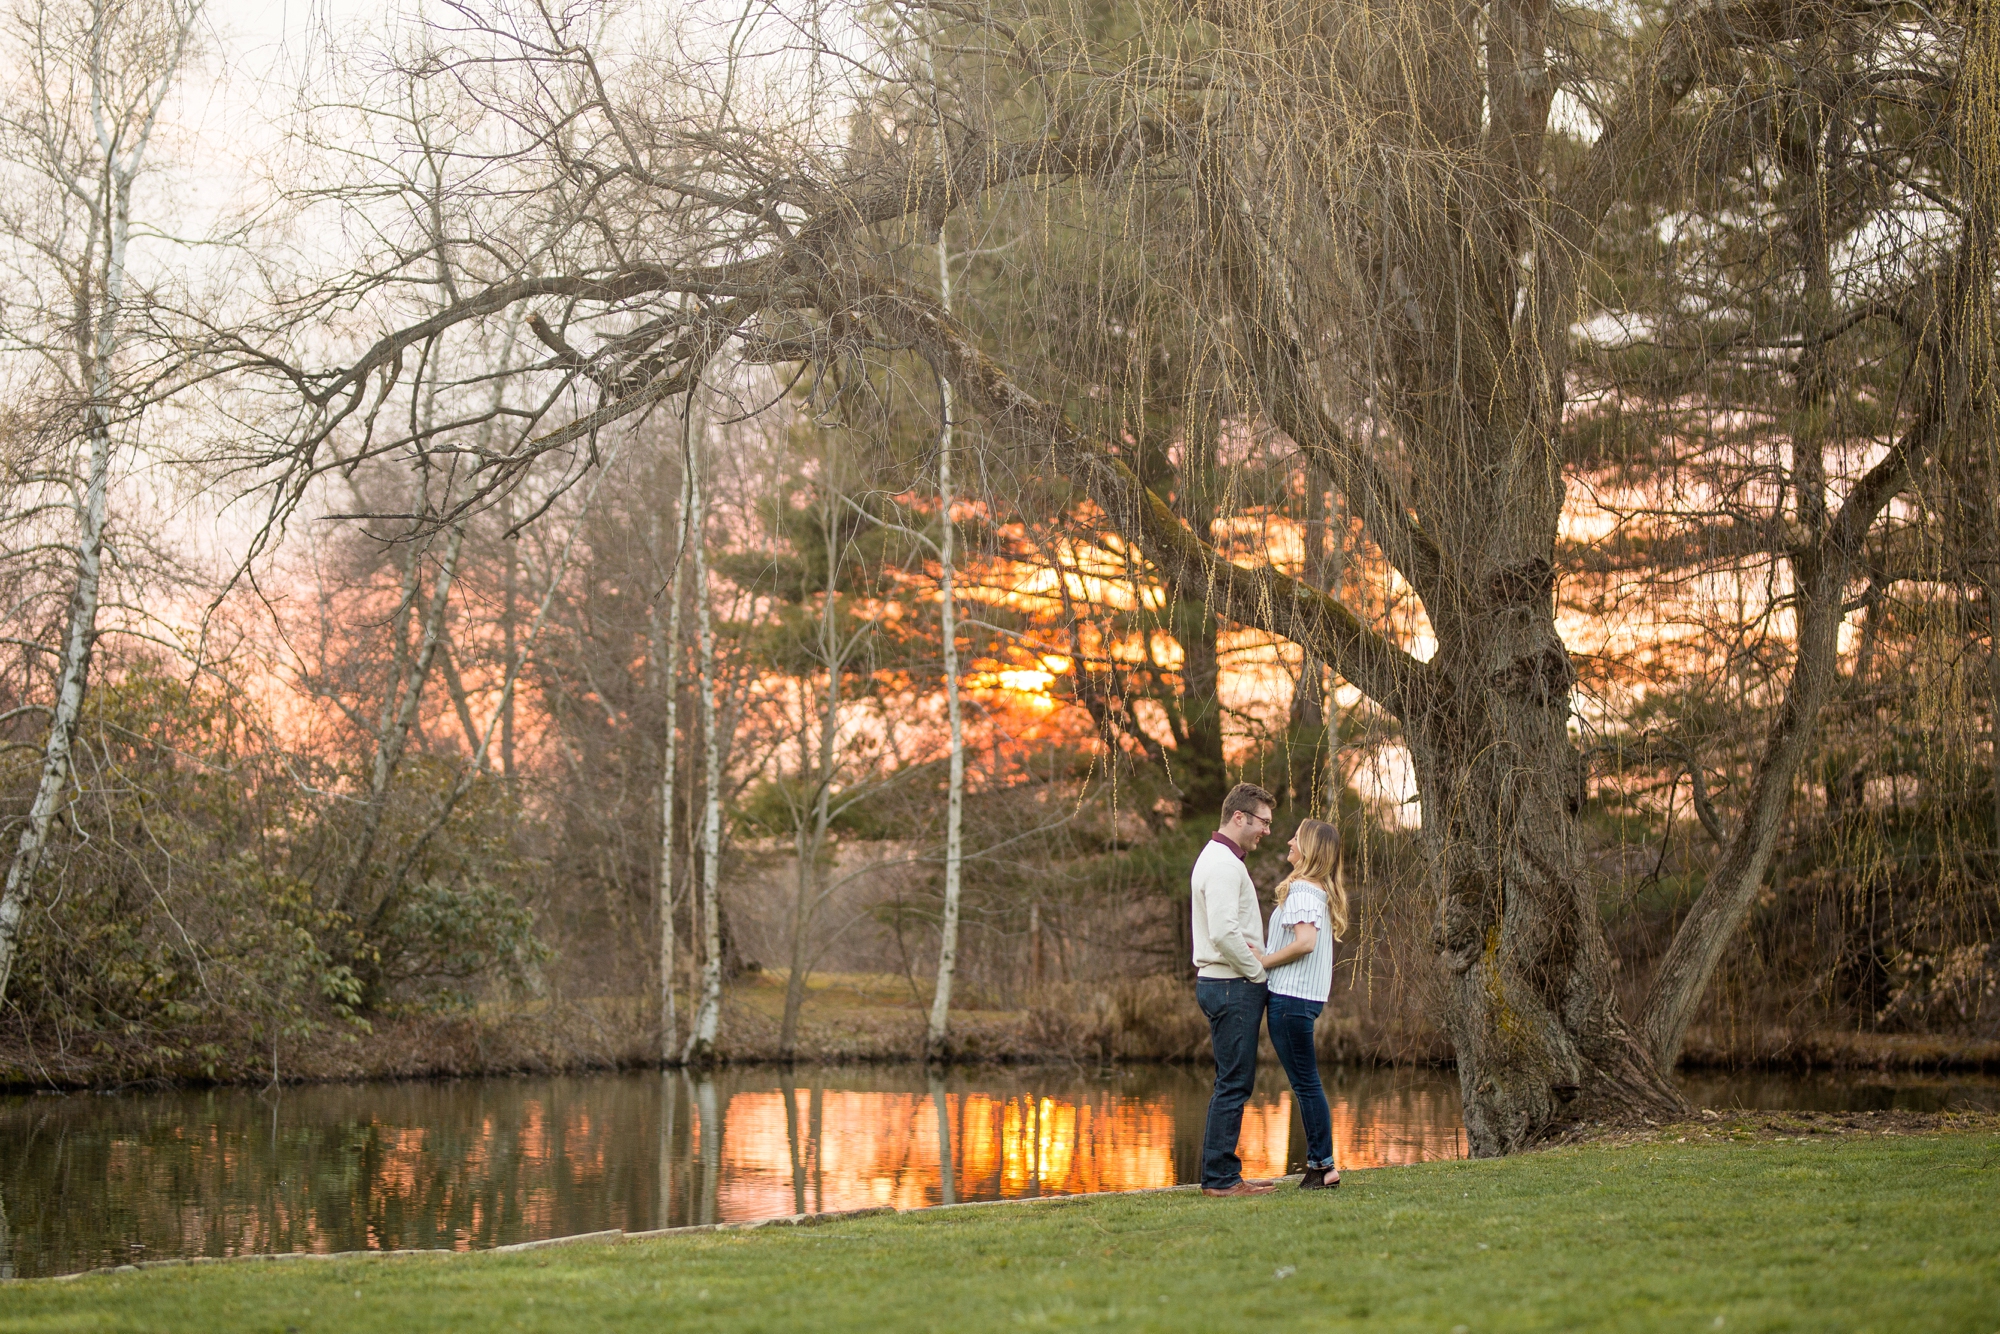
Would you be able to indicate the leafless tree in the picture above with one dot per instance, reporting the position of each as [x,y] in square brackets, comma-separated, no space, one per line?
[92,81]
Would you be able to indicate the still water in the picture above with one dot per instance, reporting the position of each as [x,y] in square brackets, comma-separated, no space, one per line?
[88,1180]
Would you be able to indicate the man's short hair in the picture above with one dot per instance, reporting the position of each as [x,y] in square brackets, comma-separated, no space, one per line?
[1246,797]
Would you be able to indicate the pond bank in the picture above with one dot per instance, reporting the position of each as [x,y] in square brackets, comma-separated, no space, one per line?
[847,1019]
[1711,1127]
[90,1181]
[1889,1229]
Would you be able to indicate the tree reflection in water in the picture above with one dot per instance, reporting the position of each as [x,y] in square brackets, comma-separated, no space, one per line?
[87,1181]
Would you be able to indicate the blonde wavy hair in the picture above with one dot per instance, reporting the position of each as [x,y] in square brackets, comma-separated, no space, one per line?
[1319,845]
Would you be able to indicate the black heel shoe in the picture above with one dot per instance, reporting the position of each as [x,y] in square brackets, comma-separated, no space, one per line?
[1319,1178]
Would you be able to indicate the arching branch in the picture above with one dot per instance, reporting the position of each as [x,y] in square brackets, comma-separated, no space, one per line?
[1261,597]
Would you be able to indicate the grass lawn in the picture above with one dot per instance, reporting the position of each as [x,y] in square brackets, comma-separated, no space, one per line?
[1870,1233]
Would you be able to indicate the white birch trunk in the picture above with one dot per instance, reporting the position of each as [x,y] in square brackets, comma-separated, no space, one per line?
[671,673]
[508,588]
[77,645]
[936,1034]
[708,1016]
[98,336]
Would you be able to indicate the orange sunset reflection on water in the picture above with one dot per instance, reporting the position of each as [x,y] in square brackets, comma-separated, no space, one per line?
[90,1181]
[787,1151]
[87,1182]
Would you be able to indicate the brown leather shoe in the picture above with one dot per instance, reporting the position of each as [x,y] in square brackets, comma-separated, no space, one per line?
[1240,1188]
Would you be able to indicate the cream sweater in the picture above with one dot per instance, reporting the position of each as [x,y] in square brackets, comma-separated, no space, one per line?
[1226,916]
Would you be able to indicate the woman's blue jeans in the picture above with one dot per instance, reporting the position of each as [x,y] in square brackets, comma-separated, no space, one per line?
[1290,1022]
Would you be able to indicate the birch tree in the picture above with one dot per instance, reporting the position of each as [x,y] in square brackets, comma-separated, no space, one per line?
[93,81]
[668,654]
[936,1033]
[707,1022]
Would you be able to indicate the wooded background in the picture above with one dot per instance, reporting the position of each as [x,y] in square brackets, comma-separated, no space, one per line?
[525,509]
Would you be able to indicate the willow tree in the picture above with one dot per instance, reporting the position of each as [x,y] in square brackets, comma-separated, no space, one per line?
[1381,220]
[1389,228]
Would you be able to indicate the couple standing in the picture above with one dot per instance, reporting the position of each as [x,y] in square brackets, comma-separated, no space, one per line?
[1237,984]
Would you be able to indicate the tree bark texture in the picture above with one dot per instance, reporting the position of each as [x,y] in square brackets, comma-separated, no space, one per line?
[1529,1002]
[670,660]
[937,1031]
[77,645]
[707,1023]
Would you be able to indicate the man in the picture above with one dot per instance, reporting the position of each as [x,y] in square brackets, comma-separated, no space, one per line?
[1229,982]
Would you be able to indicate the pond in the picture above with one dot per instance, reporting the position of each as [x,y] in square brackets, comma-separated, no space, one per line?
[88,1180]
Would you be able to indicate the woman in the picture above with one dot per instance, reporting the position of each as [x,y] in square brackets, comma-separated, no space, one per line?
[1299,951]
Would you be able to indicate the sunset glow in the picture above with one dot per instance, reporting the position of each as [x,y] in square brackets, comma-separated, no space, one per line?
[878,1149]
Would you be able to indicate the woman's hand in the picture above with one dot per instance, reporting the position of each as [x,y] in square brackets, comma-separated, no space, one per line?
[1304,936]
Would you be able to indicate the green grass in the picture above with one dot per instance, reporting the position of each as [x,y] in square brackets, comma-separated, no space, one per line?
[1851,1234]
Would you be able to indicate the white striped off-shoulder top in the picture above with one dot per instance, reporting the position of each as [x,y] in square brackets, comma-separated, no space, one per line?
[1309,978]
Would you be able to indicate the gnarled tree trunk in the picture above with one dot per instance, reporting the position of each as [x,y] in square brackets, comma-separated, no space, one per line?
[1529,1005]
[1531,1010]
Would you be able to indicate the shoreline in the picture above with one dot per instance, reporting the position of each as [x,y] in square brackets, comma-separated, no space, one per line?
[848,1022]
[1921,1057]
[613,1236]
[1708,1127]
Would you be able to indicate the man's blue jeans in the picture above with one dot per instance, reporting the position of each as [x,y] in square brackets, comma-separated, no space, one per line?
[1235,1010]
[1292,1038]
